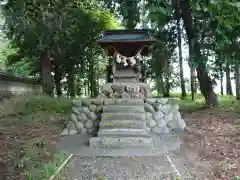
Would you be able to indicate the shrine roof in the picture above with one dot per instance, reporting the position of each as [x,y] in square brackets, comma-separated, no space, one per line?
[124,35]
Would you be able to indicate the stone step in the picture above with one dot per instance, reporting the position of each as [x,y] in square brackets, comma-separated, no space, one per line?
[134,124]
[122,132]
[124,109]
[123,116]
[131,102]
[125,80]
[121,142]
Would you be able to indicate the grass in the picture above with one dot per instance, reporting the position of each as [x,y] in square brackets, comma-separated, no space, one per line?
[227,103]
[35,122]
[45,171]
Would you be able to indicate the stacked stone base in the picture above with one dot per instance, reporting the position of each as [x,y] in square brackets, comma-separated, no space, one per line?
[163,116]
[85,117]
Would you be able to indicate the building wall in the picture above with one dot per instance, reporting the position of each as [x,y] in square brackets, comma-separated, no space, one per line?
[13,85]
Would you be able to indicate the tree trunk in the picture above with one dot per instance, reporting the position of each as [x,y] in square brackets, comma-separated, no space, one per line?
[47,79]
[70,81]
[109,70]
[159,85]
[183,88]
[92,80]
[166,92]
[192,83]
[57,79]
[237,74]
[203,77]
[221,80]
[228,81]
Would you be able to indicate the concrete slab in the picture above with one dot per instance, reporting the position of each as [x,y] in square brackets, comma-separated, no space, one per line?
[122,132]
[121,142]
[79,145]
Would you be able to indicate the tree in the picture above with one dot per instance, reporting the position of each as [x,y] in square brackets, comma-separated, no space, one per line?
[179,37]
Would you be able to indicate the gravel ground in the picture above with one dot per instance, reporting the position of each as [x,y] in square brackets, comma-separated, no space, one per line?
[120,168]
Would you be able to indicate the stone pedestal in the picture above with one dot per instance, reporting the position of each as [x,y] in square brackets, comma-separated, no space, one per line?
[125,75]
[125,90]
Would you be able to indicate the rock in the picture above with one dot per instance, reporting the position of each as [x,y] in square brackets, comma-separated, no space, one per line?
[176,116]
[90,131]
[157,115]
[142,89]
[181,124]
[175,108]
[86,102]
[72,132]
[83,131]
[74,117]
[125,95]
[173,125]
[157,130]
[157,106]
[160,122]
[97,102]
[162,100]
[116,95]
[92,116]
[83,110]
[118,88]
[148,108]
[150,122]
[148,115]
[75,110]
[107,89]
[88,124]
[148,129]
[166,108]
[79,125]
[110,95]
[92,107]
[169,117]
[65,132]
[141,96]
[71,126]
[102,96]
[150,101]
[82,117]
[165,130]
[99,109]
[77,102]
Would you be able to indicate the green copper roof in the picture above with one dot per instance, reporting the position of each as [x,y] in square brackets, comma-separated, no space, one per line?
[126,35]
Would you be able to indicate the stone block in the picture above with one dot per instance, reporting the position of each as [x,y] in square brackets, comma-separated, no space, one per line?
[122,132]
[123,109]
[134,124]
[121,142]
[131,102]
[123,116]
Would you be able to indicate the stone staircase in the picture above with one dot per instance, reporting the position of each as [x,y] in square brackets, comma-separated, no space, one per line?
[123,125]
